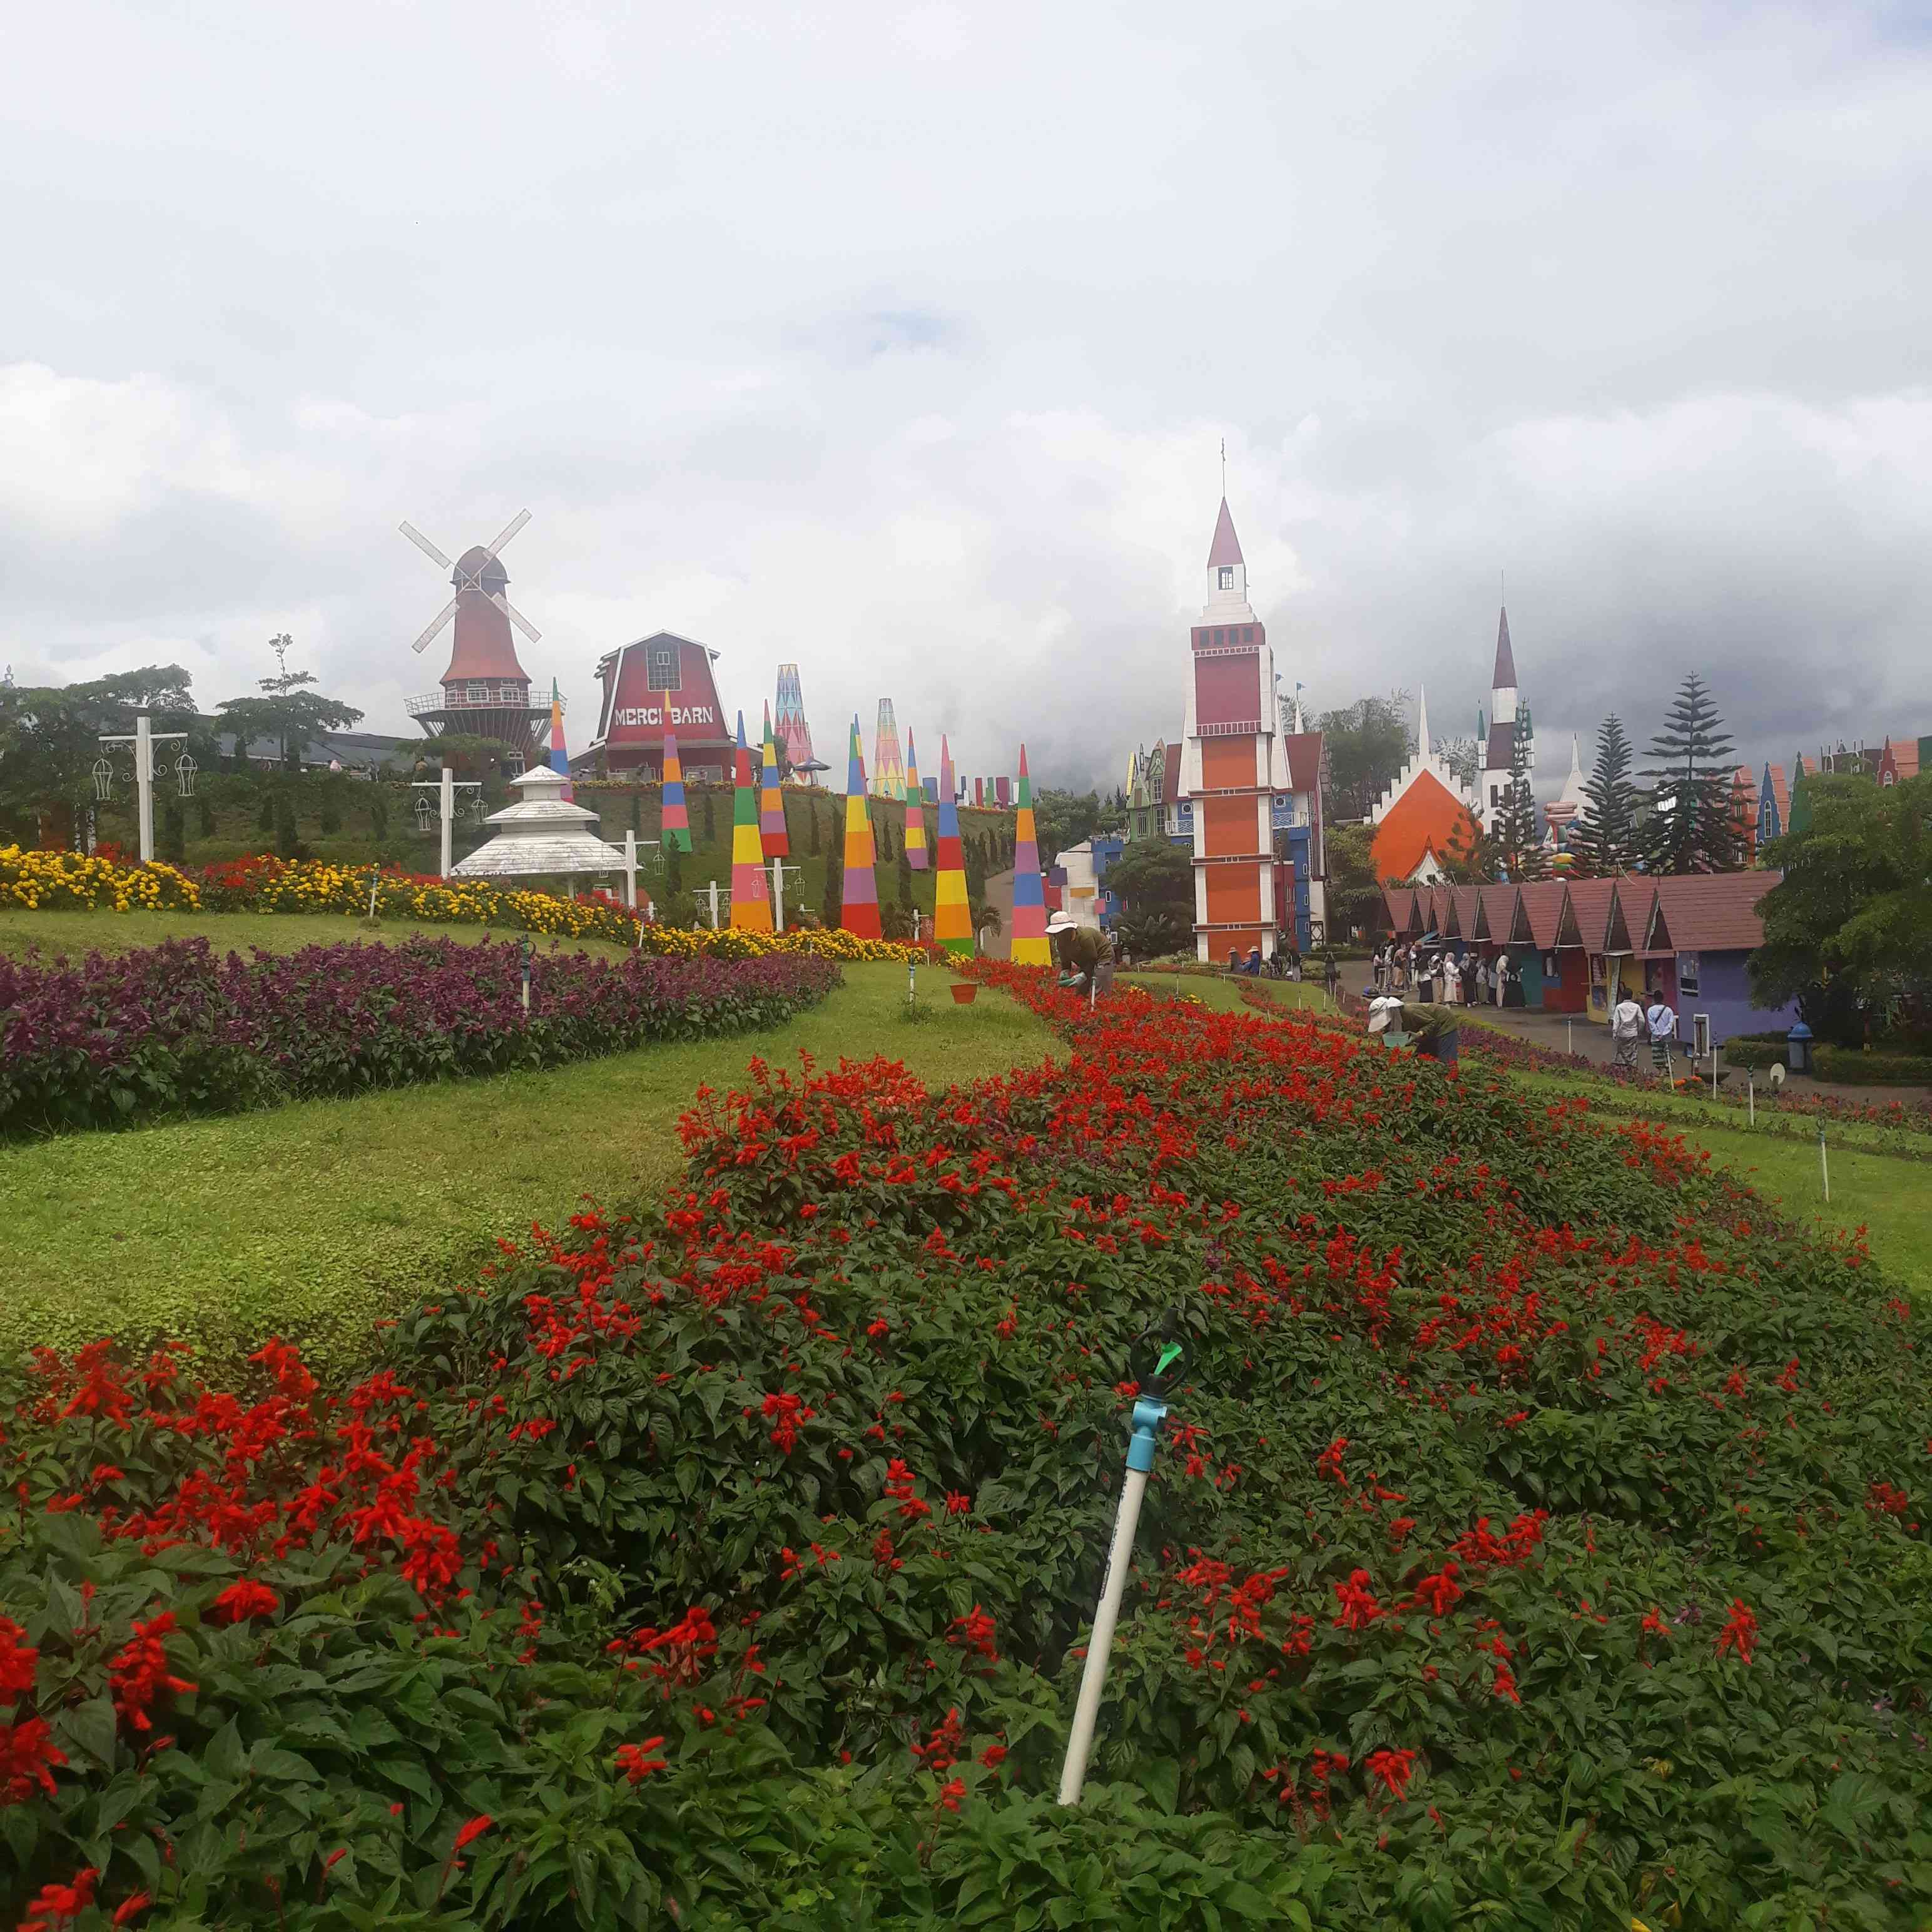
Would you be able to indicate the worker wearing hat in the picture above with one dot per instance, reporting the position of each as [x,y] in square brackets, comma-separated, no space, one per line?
[1431,1029]
[1079,951]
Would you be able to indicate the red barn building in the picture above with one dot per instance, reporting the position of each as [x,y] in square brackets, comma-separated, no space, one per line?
[661,683]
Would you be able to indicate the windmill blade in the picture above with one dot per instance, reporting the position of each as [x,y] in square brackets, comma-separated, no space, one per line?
[510,530]
[423,543]
[449,611]
[516,617]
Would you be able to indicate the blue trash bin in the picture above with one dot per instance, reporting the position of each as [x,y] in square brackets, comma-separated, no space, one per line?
[1797,1048]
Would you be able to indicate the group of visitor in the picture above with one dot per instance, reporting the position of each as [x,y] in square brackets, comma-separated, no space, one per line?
[1434,973]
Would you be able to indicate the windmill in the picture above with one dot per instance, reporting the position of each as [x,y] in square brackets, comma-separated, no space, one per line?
[485,691]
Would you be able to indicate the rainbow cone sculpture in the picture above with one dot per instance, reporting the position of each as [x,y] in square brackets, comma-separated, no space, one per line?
[559,758]
[771,806]
[751,905]
[951,917]
[1029,941]
[675,831]
[860,914]
[916,853]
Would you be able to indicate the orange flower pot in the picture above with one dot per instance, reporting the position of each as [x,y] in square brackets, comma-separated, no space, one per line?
[963,991]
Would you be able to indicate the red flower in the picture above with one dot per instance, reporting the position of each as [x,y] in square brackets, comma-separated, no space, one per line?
[62,1904]
[1393,1768]
[240,1601]
[949,1796]
[26,1752]
[471,1832]
[138,1673]
[1359,1607]
[636,1761]
[1439,1590]
[16,1661]
[1741,1633]
[131,1907]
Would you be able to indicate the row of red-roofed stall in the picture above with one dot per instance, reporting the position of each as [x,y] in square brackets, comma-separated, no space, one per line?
[1572,944]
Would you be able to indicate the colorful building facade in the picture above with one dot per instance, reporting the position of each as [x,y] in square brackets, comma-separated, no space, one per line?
[662,684]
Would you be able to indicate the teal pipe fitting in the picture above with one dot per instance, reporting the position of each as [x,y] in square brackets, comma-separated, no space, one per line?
[1150,1412]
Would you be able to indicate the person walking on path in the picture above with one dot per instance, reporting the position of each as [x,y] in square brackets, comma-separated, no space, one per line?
[1331,973]
[1628,1026]
[1662,1022]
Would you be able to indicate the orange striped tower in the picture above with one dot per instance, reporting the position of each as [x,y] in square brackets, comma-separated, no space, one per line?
[1233,760]
[916,853]
[772,833]
[1029,946]
[951,917]
[751,905]
[860,914]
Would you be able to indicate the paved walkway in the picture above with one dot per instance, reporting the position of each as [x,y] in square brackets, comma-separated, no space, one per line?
[1572,1032]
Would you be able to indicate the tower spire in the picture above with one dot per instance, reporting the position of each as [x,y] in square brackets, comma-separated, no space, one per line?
[1422,720]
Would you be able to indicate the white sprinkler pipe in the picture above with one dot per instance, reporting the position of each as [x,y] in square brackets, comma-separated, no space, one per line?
[1149,1413]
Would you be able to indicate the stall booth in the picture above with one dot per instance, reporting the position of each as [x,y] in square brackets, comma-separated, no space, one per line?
[1589,906]
[1707,926]
[1546,922]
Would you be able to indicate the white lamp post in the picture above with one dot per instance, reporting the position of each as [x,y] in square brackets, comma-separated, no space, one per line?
[144,739]
[779,868]
[445,788]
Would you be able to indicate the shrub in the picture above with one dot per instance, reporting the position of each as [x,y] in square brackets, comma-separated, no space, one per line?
[171,1030]
[67,881]
[1535,1521]
[1878,1067]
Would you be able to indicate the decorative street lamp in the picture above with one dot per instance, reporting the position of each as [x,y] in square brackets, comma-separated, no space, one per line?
[185,769]
[144,738]
[104,781]
[425,814]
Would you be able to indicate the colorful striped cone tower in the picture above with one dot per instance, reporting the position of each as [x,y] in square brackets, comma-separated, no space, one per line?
[951,917]
[860,915]
[915,794]
[751,903]
[675,831]
[559,758]
[1029,945]
[772,832]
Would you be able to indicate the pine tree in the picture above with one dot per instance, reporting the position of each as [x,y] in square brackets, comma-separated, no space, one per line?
[1691,829]
[812,845]
[1604,838]
[709,816]
[205,808]
[905,879]
[637,811]
[1517,848]
[174,833]
[673,871]
[265,821]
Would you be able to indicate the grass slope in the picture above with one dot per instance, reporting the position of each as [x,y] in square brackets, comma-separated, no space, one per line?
[77,934]
[312,1219]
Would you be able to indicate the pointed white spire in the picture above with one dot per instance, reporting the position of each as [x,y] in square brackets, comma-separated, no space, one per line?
[1422,719]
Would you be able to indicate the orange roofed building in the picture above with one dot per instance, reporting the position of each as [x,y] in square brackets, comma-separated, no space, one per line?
[1423,819]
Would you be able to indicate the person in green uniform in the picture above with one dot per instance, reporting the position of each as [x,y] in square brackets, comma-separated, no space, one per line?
[1431,1030]
[1079,952]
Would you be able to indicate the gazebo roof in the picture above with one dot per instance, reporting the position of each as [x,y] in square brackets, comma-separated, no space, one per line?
[542,832]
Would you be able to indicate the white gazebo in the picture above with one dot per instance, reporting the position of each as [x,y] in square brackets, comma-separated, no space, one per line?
[544,835]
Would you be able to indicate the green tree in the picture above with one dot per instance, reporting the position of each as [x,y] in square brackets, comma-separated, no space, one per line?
[173,842]
[1353,892]
[1851,918]
[379,812]
[265,819]
[1152,876]
[708,816]
[1604,838]
[1366,745]
[288,845]
[289,714]
[1464,757]
[1516,847]
[905,878]
[204,815]
[331,804]
[50,737]
[1691,829]
[1064,818]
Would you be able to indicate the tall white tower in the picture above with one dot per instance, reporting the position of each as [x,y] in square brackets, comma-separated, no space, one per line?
[1506,712]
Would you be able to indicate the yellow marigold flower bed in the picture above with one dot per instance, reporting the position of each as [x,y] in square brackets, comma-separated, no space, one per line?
[259,883]
[57,881]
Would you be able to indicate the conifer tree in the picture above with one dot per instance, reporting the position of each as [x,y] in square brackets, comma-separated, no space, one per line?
[834,908]
[1517,848]
[1604,838]
[709,815]
[1691,829]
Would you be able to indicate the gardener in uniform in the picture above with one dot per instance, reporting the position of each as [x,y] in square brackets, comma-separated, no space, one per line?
[1083,953]
[1433,1031]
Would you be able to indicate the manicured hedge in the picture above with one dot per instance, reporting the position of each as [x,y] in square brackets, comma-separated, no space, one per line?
[1878,1068]
[1536,1538]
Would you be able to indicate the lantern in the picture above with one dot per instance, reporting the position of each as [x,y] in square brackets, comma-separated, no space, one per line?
[425,814]
[185,769]
[103,780]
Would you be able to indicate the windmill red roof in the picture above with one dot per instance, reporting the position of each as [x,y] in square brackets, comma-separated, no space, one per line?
[1504,678]
[1226,547]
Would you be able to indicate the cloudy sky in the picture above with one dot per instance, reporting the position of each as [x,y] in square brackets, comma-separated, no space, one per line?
[900,341]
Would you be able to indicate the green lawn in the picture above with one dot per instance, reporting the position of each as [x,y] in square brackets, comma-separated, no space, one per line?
[79,933]
[311,1219]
